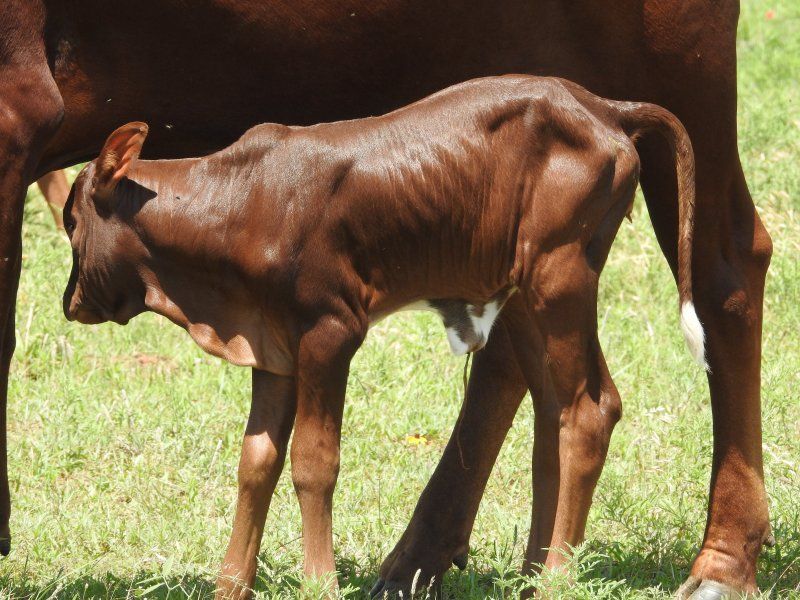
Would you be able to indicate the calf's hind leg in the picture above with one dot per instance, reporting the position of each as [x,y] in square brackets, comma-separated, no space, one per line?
[263,452]
[529,350]
[586,421]
[438,534]
[55,189]
[565,310]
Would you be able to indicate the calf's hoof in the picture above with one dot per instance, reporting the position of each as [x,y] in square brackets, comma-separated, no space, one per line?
[461,561]
[395,590]
[418,562]
[696,589]
[384,589]
[5,545]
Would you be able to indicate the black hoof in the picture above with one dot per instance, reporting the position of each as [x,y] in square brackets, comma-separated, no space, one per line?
[386,589]
[5,546]
[376,589]
[461,561]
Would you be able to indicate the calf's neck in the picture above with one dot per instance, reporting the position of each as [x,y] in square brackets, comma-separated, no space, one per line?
[279,251]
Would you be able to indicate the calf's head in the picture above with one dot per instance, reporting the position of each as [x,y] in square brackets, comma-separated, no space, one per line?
[104,284]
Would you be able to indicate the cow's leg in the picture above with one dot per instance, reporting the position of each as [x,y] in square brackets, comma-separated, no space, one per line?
[323,365]
[438,534]
[263,452]
[30,111]
[8,292]
[55,189]
[732,252]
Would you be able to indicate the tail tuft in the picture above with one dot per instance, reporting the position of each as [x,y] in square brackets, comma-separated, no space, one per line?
[693,334]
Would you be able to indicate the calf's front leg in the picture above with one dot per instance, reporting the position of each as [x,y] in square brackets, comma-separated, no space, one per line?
[323,366]
[263,452]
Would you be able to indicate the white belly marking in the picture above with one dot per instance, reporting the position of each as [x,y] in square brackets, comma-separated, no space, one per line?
[467,325]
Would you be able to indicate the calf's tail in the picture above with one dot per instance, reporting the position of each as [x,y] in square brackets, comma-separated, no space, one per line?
[637,118]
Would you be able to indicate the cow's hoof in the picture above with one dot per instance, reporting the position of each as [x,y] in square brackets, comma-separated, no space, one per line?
[695,589]
[5,546]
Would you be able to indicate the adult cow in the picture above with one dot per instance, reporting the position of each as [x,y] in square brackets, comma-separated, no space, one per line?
[70,73]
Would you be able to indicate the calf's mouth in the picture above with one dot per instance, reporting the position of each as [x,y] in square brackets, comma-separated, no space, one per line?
[75,311]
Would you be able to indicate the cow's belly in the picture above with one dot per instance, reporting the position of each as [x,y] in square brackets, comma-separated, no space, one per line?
[467,324]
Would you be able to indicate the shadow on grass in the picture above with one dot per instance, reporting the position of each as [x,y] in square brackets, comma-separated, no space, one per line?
[143,585]
[600,570]
[273,581]
[667,565]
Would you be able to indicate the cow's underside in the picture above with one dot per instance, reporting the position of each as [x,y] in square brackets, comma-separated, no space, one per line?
[200,80]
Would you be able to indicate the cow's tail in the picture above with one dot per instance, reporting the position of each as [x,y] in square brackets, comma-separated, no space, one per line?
[637,118]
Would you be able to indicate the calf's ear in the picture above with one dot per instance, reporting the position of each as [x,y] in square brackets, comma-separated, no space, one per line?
[120,151]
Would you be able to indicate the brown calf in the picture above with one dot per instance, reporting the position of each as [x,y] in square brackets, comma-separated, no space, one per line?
[278,252]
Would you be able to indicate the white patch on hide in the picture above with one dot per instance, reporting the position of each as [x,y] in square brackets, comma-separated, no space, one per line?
[457,345]
[483,324]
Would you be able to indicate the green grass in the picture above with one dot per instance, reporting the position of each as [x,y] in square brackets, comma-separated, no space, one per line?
[124,440]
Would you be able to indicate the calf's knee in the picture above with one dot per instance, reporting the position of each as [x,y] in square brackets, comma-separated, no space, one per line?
[260,466]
